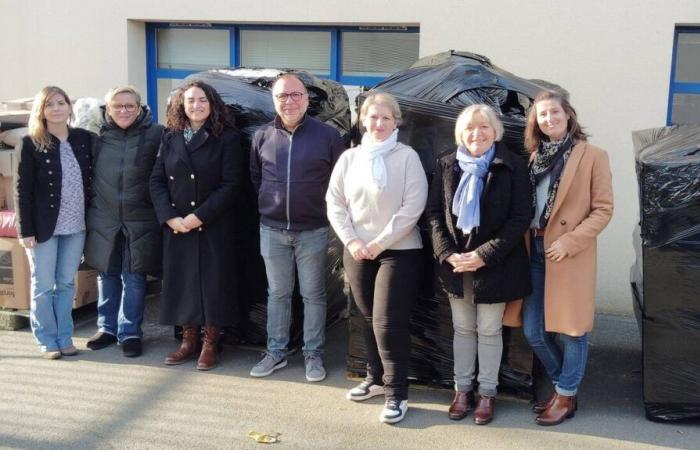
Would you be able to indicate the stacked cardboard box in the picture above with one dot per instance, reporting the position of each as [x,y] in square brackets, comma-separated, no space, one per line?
[15,282]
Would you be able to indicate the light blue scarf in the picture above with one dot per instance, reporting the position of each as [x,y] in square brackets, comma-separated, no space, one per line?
[466,201]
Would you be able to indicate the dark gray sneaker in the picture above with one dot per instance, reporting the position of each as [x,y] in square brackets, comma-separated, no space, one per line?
[314,368]
[268,364]
[101,340]
[132,348]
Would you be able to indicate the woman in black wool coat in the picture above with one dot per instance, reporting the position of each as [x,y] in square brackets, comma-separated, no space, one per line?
[479,208]
[199,170]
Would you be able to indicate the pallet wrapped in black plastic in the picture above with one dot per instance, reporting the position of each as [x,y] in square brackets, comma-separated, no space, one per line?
[247,92]
[431,95]
[667,269]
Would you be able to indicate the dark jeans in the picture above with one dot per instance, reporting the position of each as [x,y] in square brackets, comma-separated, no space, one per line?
[385,290]
[122,296]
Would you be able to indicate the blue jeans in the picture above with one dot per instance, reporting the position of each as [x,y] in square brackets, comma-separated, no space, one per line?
[53,266]
[280,250]
[121,303]
[565,368]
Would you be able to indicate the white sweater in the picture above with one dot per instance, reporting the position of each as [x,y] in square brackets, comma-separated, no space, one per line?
[357,209]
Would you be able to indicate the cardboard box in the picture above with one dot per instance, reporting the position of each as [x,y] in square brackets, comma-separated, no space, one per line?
[14,275]
[7,196]
[85,288]
[15,279]
[8,163]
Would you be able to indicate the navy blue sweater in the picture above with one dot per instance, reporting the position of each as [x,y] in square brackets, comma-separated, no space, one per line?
[290,172]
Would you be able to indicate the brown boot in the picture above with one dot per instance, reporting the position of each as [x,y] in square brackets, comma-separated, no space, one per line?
[209,357]
[461,405]
[563,407]
[483,413]
[188,347]
[539,407]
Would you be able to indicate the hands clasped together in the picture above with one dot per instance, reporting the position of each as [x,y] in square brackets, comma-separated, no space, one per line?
[359,250]
[465,262]
[184,225]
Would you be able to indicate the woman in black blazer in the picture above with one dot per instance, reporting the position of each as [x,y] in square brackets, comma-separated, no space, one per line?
[479,208]
[199,169]
[51,190]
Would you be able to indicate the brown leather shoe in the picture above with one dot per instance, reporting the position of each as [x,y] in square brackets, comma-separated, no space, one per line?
[209,358]
[188,346]
[563,407]
[483,413]
[461,405]
[539,407]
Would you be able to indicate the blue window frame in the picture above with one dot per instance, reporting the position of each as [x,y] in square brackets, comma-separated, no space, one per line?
[156,74]
[684,90]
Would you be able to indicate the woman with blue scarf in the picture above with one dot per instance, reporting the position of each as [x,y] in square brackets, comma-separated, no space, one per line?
[376,195]
[479,208]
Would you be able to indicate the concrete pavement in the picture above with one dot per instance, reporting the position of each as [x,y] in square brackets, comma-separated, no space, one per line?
[101,400]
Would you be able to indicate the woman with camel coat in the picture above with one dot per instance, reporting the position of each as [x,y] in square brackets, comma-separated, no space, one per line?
[573,203]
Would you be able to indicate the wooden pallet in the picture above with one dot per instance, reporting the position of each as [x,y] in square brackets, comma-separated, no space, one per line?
[13,319]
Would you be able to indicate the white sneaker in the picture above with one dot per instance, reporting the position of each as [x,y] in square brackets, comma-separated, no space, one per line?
[364,391]
[394,411]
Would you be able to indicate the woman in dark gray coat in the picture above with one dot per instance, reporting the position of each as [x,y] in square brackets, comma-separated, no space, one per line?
[199,170]
[123,241]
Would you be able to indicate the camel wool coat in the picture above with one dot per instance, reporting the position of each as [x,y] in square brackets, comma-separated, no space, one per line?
[582,208]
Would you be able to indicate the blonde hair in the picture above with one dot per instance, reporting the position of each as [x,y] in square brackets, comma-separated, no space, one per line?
[381,98]
[41,138]
[123,90]
[466,116]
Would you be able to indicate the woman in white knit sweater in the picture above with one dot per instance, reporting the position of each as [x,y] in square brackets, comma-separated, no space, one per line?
[376,194]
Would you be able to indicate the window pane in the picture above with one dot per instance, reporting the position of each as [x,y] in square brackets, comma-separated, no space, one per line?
[688,58]
[192,49]
[378,54]
[165,85]
[686,109]
[307,50]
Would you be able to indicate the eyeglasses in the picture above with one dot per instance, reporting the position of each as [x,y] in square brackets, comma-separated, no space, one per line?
[296,96]
[129,107]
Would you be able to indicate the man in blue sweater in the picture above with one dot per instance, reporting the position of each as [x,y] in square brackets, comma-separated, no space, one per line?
[291,162]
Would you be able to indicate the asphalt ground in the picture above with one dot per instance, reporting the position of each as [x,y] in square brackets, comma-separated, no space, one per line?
[101,400]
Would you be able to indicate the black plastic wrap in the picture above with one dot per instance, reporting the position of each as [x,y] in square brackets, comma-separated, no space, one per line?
[431,95]
[247,93]
[437,88]
[666,272]
[431,349]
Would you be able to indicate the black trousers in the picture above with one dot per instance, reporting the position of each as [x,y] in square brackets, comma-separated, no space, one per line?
[385,290]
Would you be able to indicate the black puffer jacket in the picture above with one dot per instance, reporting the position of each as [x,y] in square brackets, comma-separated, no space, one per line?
[506,212]
[121,201]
